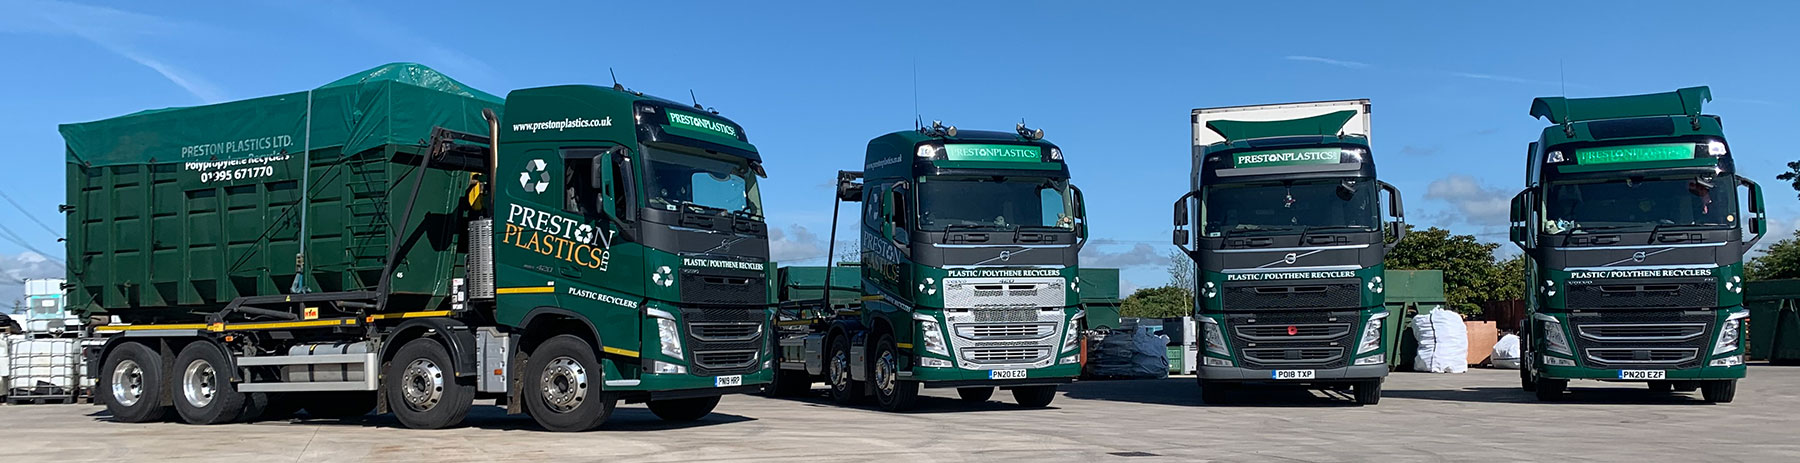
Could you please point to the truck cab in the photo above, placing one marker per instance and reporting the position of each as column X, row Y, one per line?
column 1287, row 237
column 638, row 220
column 969, row 243
column 1630, row 221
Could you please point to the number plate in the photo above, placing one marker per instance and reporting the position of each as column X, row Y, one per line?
column 728, row 381
column 1006, row 374
column 1643, row 374
column 1292, row 374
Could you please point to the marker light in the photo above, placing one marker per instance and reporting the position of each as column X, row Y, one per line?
column 1715, row 148
column 1056, row 154
column 927, row 151
column 1555, row 157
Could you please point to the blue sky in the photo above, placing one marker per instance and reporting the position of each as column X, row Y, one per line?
column 1111, row 82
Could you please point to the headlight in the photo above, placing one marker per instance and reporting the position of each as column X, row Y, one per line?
column 1729, row 333
column 1215, row 340
column 665, row 368
column 1070, row 340
column 933, row 336
column 671, row 337
column 1371, row 335
column 1554, row 338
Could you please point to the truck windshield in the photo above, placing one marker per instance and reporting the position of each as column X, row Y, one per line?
column 1290, row 206
column 674, row 179
column 1636, row 203
column 994, row 202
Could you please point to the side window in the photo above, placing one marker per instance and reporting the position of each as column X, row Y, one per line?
column 902, row 213
column 579, row 193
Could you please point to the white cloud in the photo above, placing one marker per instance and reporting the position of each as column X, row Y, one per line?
column 16, row 268
column 1333, row 62
column 1473, row 203
column 1136, row 255
column 796, row 243
column 114, row 30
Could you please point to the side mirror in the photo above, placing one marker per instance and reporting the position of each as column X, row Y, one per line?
column 1181, row 211
column 1759, row 218
column 1519, row 231
column 1397, row 210
column 626, row 190
column 1181, row 237
column 1081, row 231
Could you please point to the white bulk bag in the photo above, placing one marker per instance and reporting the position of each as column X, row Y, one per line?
column 1443, row 342
column 1506, row 352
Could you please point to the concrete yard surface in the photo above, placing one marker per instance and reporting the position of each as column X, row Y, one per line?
column 1478, row 416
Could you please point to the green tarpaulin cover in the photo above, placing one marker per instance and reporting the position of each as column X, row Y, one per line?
column 392, row 104
column 1323, row 125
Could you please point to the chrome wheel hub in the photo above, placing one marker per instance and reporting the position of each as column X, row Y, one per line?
column 885, row 372
column 840, row 370
column 422, row 384
column 127, row 383
column 198, row 383
column 564, row 383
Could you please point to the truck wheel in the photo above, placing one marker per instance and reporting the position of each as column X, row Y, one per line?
column 891, row 392
column 1526, row 382
column 422, row 389
column 790, row 383
column 1215, row 392
column 1719, row 391
column 204, row 393
column 1368, row 392
column 338, row 405
column 975, row 394
column 683, row 410
column 837, row 374
column 1662, row 387
column 1550, row 390
column 132, row 380
column 562, row 386
column 1034, row 396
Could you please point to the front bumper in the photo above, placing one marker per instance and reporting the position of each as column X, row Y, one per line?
column 1055, row 374
column 1329, row 375
column 1558, row 372
column 688, row 382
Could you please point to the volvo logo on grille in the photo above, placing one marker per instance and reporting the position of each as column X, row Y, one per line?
column 1293, row 330
column 1638, row 256
column 1005, row 256
column 1290, row 258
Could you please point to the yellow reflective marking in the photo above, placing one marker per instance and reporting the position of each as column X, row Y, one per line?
column 526, row 290
column 876, row 297
column 276, row 325
column 618, row 351
column 433, row 313
column 183, row 326
column 902, row 345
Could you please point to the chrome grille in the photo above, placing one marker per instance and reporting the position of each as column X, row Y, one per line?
column 1005, row 355
column 1004, row 292
column 1644, row 356
column 725, row 360
column 1276, row 356
column 1299, row 332
column 1005, row 331
column 1006, row 315
column 1643, row 332
column 728, row 331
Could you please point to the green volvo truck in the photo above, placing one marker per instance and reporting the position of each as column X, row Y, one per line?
column 968, row 274
column 1288, row 238
column 390, row 242
column 1630, row 218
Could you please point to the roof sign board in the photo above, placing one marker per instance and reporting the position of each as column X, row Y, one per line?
column 689, row 123
column 1286, row 157
column 1634, row 153
column 992, row 153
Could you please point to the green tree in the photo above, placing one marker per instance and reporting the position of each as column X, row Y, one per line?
column 1780, row 261
column 1161, row 302
column 1792, row 176
column 1470, row 274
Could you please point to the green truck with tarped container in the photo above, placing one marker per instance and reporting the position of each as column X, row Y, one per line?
column 967, row 278
column 390, row 242
column 1635, row 244
column 1288, row 238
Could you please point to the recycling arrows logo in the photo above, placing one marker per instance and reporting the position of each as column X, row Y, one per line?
column 541, row 182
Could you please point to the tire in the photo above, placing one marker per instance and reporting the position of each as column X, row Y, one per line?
column 1034, row 396
column 562, row 386
column 1550, row 390
column 131, row 384
column 1526, row 382
column 790, row 383
column 837, row 373
column 1368, row 392
column 891, row 392
column 975, row 394
column 422, row 388
column 337, row 405
column 1216, row 393
column 1719, row 391
column 1662, row 387
column 203, row 391
column 683, row 410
